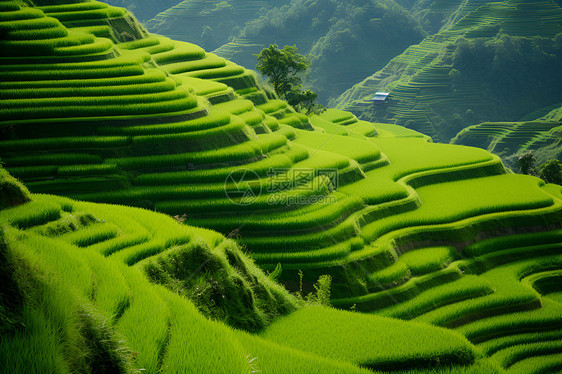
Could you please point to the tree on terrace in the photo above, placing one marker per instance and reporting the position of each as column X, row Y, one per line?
column 284, row 67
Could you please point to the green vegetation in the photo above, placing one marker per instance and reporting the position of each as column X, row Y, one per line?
column 284, row 68
column 443, row 261
column 343, row 41
column 537, row 132
column 101, row 302
column 492, row 61
column 427, row 260
column 384, row 344
column 550, row 172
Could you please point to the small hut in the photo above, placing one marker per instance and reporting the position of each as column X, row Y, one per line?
column 379, row 98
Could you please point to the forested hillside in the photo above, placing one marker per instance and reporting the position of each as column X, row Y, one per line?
column 344, row 40
column 209, row 23
column 144, row 10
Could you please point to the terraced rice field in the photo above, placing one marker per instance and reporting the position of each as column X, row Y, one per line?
column 512, row 138
column 419, row 80
column 105, row 254
column 435, row 233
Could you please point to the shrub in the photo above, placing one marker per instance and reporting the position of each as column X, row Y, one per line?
column 551, row 172
column 12, row 192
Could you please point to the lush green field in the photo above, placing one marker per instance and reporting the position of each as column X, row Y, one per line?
column 96, row 109
column 85, row 305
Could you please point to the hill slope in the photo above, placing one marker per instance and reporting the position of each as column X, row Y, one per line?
column 93, row 301
column 493, row 62
column 175, row 153
column 439, row 230
column 510, row 139
column 208, row 23
column 144, row 9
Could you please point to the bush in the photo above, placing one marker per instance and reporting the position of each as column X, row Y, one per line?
column 527, row 163
column 219, row 282
column 12, row 192
column 550, row 172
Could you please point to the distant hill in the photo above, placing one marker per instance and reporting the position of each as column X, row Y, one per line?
column 344, row 40
column 144, row 10
column 497, row 62
column 208, row 23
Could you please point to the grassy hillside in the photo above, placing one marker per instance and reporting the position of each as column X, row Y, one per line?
column 81, row 282
column 492, row 62
column 79, row 289
column 408, row 229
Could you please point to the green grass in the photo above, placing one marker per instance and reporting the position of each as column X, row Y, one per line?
column 92, row 235
column 82, row 170
column 121, row 293
column 538, row 364
column 214, row 119
column 359, row 150
column 213, row 138
column 261, row 168
column 427, row 260
column 499, row 344
column 467, row 287
column 30, row 172
column 55, row 159
column 487, row 246
column 208, row 61
column 381, row 345
column 508, row 295
column 89, row 91
column 149, row 76
column 244, row 151
column 32, row 214
column 322, row 215
column 480, row 196
column 67, row 142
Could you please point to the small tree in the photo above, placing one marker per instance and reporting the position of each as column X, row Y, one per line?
column 304, row 101
column 527, row 163
column 285, row 67
column 323, row 289
column 551, row 172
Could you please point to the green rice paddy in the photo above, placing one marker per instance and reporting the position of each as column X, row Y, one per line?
column 440, row 260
